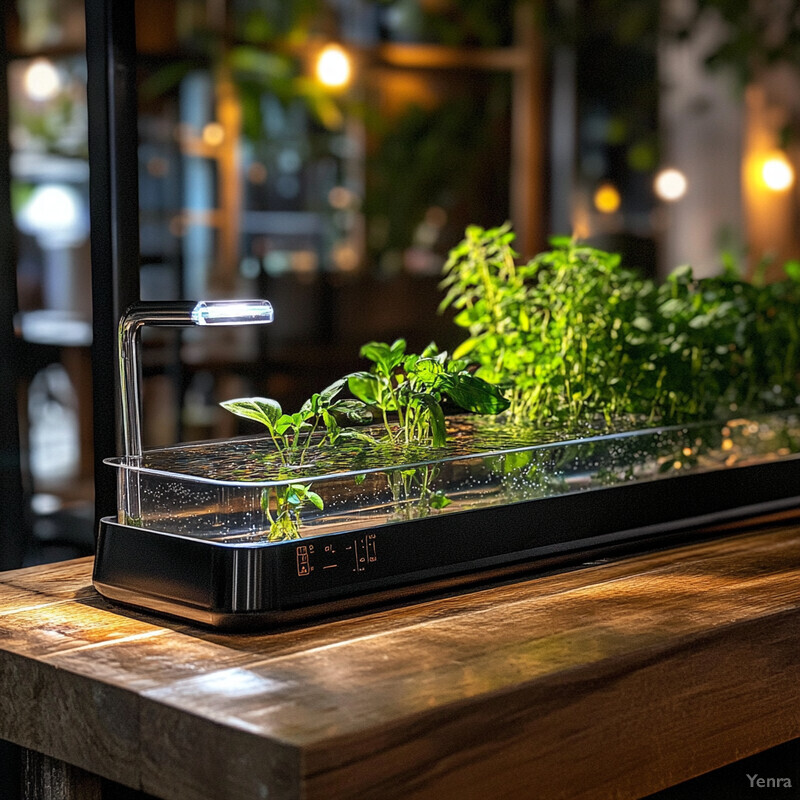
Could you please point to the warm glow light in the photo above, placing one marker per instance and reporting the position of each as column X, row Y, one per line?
column 607, row 199
column 333, row 68
column 670, row 185
column 340, row 197
column 581, row 221
column 777, row 173
column 345, row 257
column 213, row 134
column 41, row 80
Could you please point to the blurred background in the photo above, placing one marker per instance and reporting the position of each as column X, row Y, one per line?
column 326, row 155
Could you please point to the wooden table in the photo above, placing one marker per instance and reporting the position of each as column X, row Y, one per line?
column 614, row 680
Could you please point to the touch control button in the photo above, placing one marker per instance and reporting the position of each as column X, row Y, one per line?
column 303, row 564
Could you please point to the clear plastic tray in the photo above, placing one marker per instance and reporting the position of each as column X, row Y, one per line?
column 238, row 491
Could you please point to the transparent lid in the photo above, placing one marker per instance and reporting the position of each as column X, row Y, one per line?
column 254, row 461
column 243, row 491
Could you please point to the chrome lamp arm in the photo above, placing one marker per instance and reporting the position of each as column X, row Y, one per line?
column 169, row 314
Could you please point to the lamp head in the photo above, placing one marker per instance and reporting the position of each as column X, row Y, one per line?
column 232, row 312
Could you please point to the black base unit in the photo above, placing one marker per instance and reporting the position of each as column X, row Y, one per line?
column 260, row 585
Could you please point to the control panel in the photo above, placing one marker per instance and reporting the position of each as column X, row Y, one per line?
column 345, row 555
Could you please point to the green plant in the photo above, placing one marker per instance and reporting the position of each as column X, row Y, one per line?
column 292, row 435
column 549, row 331
column 725, row 343
column 414, row 386
column 571, row 335
column 406, row 386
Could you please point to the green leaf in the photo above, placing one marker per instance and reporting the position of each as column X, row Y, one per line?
column 431, row 351
column 259, row 63
column 283, row 423
column 474, row 394
column 456, row 366
column 681, row 274
column 295, row 493
column 440, row 500
column 311, row 406
column 672, row 307
column 298, row 419
column 465, row 347
column 365, row 386
column 410, row 362
column 792, row 269
column 356, row 435
column 375, row 351
column 319, row 102
column 398, row 350
column 261, row 409
column 353, row 411
column 427, row 370
column 329, row 392
column 700, row 321
column 472, row 315
column 385, row 356
column 315, row 499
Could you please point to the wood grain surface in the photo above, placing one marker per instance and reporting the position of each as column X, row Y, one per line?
column 611, row 681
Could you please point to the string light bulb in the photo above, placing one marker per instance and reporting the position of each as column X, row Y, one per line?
column 41, row 80
column 334, row 68
column 607, row 199
column 670, row 185
column 213, row 134
column 777, row 173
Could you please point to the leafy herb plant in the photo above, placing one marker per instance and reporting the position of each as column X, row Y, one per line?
column 405, row 391
column 412, row 388
column 573, row 336
column 292, row 435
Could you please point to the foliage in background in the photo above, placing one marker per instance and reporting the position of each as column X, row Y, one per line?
column 616, row 43
column 572, row 335
column 438, row 157
column 57, row 125
column 456, row 23
column 754, row 35
column 262, row 52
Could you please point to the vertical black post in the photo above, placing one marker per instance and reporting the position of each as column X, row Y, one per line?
column 13, row 534
column 114, row 207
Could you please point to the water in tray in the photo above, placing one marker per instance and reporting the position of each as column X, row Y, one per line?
column 240, row 491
